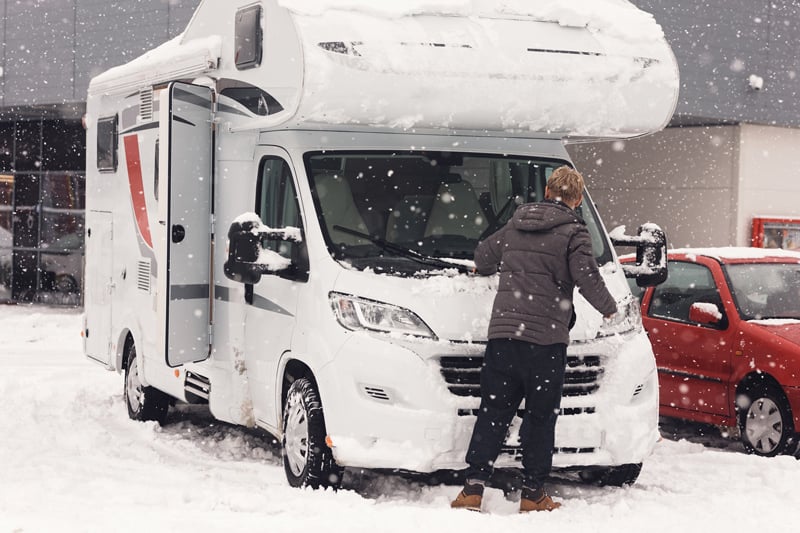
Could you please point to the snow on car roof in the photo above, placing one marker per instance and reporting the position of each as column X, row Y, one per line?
column 728, row 253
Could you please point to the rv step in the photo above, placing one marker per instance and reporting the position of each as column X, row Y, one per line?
column 197, row 387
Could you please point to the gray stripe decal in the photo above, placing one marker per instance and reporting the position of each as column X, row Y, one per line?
column 269, row 305
column 225, row 294
column 188, row 292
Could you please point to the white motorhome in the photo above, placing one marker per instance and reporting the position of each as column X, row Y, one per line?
column 283, row 204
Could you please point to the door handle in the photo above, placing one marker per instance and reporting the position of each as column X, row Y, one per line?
column 178, row 233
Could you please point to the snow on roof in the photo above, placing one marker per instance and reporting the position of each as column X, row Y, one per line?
column 737, row 252
column 618, row 17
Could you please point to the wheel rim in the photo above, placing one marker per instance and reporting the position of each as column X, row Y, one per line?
column 295, row 444
column 133, row 386
column 764, row 425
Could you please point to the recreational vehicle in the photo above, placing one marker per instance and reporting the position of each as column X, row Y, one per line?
column 283, row 204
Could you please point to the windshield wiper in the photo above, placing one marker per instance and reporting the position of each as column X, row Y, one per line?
column 405, row 252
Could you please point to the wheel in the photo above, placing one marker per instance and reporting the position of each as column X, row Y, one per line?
column 614, row 476
column 307, row 459
column 765, row 421
column 144, row 403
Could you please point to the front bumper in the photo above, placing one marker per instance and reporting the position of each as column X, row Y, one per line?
column 410, row 404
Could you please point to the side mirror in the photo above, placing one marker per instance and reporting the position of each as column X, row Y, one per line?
column 244, row 246
column 247, row 260
column 650, row 241
column 705, row 313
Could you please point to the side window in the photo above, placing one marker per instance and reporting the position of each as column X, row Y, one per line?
column 688, row 283
column 278, row 207
column 248, row 38
column 107, row 144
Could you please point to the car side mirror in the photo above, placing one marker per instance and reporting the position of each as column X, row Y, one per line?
column 650, row 241
column 247, row 260
column 244, row 246
column 705, row 313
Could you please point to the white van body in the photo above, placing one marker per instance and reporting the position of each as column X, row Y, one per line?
column 183, row 144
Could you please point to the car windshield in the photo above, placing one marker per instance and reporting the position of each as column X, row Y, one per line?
column 400, row 211
column 766, row 290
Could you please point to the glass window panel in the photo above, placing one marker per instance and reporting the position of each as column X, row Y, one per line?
column 248, row 37
column 63, row 145
column 688, row 283
column 6, row 146
column 6, row 190
column 62, row 231
column 26, row 190
column 27, row 147
column 63, row 190
column 107, row 144
column 26, row 228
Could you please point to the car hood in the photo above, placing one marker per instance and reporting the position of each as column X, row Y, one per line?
column 785, row 329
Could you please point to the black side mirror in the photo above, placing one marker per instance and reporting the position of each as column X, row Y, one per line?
column 650, row 241
column 243, row 247
column 244, row 250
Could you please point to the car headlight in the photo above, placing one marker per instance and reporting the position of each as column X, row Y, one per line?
column 360, row 314
column 627, row 318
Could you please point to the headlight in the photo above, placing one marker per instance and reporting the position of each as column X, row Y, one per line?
column 627, row 319
column 357, row 313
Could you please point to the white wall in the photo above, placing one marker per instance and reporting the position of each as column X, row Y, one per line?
column 769, row 175
column 684, row 179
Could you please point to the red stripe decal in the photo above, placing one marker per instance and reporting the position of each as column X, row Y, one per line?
column 134, row 162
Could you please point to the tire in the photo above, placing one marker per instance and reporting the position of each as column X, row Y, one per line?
column 144, row 403
column 765, row 421
column 613, row 476
column 307, row 459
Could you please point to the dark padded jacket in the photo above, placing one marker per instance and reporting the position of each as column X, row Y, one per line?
column 542, row 253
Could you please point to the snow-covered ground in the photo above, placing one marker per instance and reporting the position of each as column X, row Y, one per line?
column 71, row 460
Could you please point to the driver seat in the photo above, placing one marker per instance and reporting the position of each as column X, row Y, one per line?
column 339, row 208
column 456, row 210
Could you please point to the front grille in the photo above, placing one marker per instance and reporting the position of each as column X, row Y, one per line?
column 515, row 452
column 463, row 375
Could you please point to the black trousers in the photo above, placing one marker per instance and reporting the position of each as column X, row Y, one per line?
column 514, row 370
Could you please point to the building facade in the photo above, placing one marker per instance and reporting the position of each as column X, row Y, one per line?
column 726, row 157
column 51, row 49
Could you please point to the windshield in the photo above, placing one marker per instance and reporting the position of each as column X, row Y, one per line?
column 374, row 205
column 766, row 290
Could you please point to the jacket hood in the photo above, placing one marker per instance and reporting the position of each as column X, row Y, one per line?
column 542, row 216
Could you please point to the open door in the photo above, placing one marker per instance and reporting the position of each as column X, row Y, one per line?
column 187, row 158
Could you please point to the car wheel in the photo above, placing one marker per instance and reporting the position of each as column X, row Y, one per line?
column 144, row 403
column 307, row 459
column 765, row 421
column 614, row 476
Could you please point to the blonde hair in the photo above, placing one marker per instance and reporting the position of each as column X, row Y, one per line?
column 565, row 184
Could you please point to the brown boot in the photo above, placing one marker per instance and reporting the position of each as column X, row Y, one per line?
column 536, row 500
column 470, row 497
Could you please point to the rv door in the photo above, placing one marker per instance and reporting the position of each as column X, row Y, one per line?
column 186, row 156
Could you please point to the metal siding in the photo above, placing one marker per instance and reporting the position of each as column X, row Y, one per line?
column 719, row 44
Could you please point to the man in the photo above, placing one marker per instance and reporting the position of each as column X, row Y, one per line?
column 542, row 253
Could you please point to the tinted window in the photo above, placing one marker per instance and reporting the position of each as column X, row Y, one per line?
column 278, row 207
column 107, row 144
column 687, row 284
column 248, row 37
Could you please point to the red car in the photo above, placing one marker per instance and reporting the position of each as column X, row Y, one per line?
column 725, row 329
